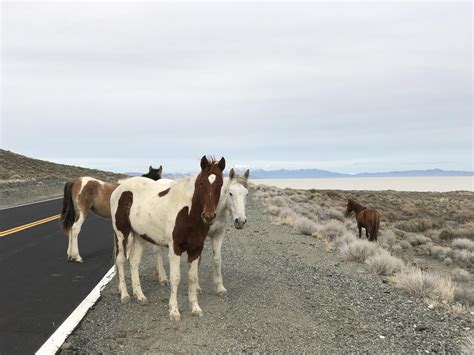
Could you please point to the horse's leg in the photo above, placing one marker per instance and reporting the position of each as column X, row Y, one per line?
column 198, row 287
column 360, row 231
column 136, row 252
column 174, row 283
column 192, row 292
column 217, row 261
column 120, row 260
column 367, row 234
column 73, row 248
column 160, row 269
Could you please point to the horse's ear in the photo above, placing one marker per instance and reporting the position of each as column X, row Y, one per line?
column 231, row 174
column 150, row 168
column 221, row 164
column 204, row 162
column 160, row 169
column 247, row 174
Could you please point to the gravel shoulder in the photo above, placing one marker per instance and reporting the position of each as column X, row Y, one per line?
column 286, row 293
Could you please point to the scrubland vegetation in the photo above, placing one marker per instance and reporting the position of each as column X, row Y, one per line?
column 426, row 241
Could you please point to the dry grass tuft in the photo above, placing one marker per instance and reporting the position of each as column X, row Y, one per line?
column 425, row 284
column 463, row 243
column 358, row 250
column 331, row 230
column 305, row 226
column 382, row 263
column 417, row 239
column 464, row 294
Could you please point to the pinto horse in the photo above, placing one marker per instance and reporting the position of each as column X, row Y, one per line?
column 85, row 194
column 178, row 217
column 367, row 218
column 231, row 204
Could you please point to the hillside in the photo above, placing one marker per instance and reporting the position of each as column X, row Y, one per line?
column 24, row 179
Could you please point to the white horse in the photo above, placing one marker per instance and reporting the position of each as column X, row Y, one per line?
column 178, row 217
column 232, row 201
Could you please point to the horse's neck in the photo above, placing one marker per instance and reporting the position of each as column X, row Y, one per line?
column 223, row 200
column 358, row 208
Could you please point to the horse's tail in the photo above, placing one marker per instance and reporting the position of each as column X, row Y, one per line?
column 375, row 227
column 68, row 213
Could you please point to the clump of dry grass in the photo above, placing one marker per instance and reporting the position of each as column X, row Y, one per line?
column 278, row 201
column 331, row 230
column 387, row 239
column 358, row 250
column 305, row 226
column 415, row 225
column 425, row 284
column 461, row 275
column 382, row 263
column 417, row 239
column 287, row 217
column 464, row 294
column 463, row 243
column 456, row 233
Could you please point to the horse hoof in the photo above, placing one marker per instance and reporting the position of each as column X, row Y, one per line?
column 175, row 316
column 74, row 259
column 143, row 301
column 197, row 313
column 222, row 293
column 125, row 299
column 164, row 283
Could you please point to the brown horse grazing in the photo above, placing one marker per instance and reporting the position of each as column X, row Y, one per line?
column 367, row 218
column 85, row 194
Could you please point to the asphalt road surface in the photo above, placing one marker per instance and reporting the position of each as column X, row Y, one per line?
column 39, row 288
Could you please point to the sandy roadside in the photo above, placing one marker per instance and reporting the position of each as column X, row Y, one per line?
column 285, row 293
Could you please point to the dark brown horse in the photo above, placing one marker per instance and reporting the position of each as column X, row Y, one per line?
column 367, row 218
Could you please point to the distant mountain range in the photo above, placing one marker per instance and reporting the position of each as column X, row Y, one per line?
column 321, row 174
column 317, row 173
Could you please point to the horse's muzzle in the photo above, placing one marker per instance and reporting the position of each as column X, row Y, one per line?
column 208, row 219
column 239, row 223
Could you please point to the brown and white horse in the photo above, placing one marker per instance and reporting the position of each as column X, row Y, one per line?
column 178, row 217
column 367, row 218
column 85, row 194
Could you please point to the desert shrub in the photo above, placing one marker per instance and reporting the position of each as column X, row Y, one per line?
column 331, row 230
column 415, row 225
column 405, row 244
column 463, row 257
column 335, row 214
column 387, row 239
column 382, row 263
column 274, row 210
column 461, row 275
column 453, row 233
column 463, row 243
column 358, row 250
column 448, row 261
column 287, row 217
column 305, row 226
column 278, row 201
column 425, row 284
column 417, row 239
column 439, row 252
column 464, row 294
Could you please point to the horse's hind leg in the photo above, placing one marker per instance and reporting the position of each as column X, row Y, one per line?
column 367, row 234
column 217, row 263
column 360, row 231
column 120, row 260
column 73, row 248
column 136, row 252
column 160, row 269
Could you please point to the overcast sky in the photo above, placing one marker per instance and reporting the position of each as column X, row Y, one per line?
column 345, row 87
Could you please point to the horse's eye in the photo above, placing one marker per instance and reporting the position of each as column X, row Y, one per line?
column 231, row 193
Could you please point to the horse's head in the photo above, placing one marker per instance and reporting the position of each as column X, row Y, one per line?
column 208, row 187
column 350, row 206
column 154, row 174
column 238, row 191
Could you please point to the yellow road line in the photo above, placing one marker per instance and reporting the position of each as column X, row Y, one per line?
column 29, row 225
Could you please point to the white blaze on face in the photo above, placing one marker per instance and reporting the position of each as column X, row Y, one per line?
column 212, row 178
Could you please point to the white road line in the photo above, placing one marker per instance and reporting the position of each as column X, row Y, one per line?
column 55, row 341
column 31, row 203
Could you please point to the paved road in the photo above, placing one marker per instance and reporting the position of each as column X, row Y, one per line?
column 39, row 288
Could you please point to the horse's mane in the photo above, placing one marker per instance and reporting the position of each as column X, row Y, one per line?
column 242, row 181
column 356, row 204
